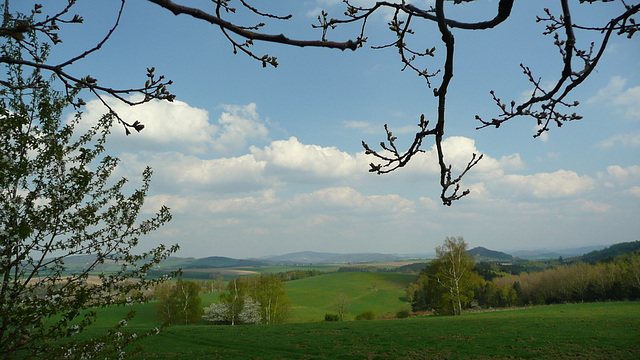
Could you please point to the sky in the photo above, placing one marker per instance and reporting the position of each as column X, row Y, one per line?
column 257, row 161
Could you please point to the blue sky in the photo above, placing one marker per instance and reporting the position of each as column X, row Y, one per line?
column 257, row 161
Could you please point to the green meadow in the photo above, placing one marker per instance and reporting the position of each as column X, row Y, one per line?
column 378, row 292
column 572, row 331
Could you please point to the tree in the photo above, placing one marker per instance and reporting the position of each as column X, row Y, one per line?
column 187, row 300
column 545, row 105
column 58, row 200
column 453, row 272
column 166, row 307
column 179, row 302
column 341, row 304
column 269, row 292
column 266, row 292
column 234, row 299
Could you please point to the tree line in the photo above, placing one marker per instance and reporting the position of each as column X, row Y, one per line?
column 617, row 279
column 258, row 299
column 454, row 282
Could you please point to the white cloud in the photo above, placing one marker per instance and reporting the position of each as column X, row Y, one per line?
column 338, row 200
column 616, row 94
column 180, row 127
column 296, row 161
column 246, row 206
column 559, row 184
column 596, row 207
column 627, row 140
column 634, row 191
column 616, row 175
column 458, row 151
column 239, row 123
column 174, row 125
column 189, row 173
column 362, row 126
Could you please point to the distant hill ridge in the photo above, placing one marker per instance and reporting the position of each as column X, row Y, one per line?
column 484, row 254
column 585, row 254
column 224, row 262
column 609, row 252
column 312, row 257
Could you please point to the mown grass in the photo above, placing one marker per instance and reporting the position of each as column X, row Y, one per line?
column 576, row 331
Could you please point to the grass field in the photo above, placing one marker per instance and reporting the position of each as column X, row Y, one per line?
column 575, row 331
column 378, row 292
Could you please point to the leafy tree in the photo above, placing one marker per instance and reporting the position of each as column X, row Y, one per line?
column 58, row 200
column 266, row 292
column 187, row 300
column 166, row 307
column 234, row 299
column 179, row 302
column 454, row 272
column 417, row 51
column 269, row 292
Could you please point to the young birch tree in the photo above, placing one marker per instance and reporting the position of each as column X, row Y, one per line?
column 454, row 270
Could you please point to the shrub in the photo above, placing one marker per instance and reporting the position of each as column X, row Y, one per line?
column 404, row 313
column 331, row 317
column 367, row 315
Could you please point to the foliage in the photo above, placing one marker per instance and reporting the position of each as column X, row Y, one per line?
column 217, row 313
column 615, row 280
column 452, row 273
column 179, row 302
column 250, row 313
column 402, row 314
column 220, row 313
column 58, row 200
column 610, row 252
column 367, row 315
column 297, row 274
column 269, row 292
column 264, row 292
column 331, row 317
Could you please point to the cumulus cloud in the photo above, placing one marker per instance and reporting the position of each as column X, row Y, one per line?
column 458, row 152
column 239, row 123
column 300, row 162
column 180, row 172
column 616, row 175
column 559, row 184
column 180, row 127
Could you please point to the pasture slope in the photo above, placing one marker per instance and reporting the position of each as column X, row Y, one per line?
column 571, row 331
column 381, row 293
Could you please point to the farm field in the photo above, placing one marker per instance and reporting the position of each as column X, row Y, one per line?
column 575, row 331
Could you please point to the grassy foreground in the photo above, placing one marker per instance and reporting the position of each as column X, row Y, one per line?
column 576, row 331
